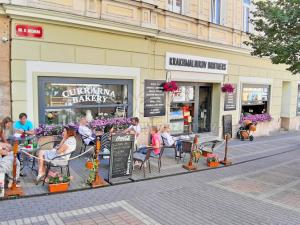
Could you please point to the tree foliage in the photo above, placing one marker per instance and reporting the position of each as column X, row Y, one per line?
column 277, row 32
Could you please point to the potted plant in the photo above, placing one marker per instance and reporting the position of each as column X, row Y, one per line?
column 227, row 88
column 212, row 160
column 170, row 86
column 58, row 182
column 93, row 167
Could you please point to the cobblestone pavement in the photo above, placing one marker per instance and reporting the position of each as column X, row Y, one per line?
column 262, row 191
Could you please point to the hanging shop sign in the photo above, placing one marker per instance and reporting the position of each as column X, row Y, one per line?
column 195, row 63
column 88, row 94
column 230, row 100
column 154, row 98
column 24, row 30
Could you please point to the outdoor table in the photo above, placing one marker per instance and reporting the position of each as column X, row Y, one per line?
column 12, row 138
column 31, row 151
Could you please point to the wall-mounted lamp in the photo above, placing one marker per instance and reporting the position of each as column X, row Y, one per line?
column 4, row 39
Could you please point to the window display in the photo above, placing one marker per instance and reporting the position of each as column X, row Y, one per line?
column 182, row 110
column 255, row 99
column 65, row 101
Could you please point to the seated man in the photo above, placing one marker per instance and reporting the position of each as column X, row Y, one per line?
column 86, row 132
column 23, row 126
column 6, row 163
column 134, row 128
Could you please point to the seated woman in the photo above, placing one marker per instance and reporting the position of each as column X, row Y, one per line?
column 6, row 163
column 170, row 140
column 67, row 145
column 6, row 131
column 155, row 143
column 106, row 138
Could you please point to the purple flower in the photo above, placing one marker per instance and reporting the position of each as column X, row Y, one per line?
column 256, row 118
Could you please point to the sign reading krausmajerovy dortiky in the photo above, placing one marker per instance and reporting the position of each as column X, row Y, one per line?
column 193, row 63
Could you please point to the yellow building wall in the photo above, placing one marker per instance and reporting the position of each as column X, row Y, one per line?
column 62, row 43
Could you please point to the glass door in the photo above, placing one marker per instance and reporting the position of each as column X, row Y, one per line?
column 204, row 114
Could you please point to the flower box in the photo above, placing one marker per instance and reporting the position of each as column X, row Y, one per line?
column 61, row 187
column 213, row 164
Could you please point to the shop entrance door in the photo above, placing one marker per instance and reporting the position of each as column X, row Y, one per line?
column 204, row 113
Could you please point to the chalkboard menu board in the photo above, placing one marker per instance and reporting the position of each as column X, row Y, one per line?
column 230, row 100
column 121, row 151
column 227, row 125
column 298, row 101
column 154, row 98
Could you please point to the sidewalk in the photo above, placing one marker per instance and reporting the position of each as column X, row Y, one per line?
column 264, row 191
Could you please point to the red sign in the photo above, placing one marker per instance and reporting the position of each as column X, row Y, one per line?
column 29, row 31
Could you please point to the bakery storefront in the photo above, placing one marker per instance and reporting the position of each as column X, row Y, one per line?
column 191, row 107
column 64, row 100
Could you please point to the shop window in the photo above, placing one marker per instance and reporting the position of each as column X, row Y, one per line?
column 246, row 15
column 255, row 99
column 64, row 100
column 182, row 110
column 175, row 6
column 216, row 11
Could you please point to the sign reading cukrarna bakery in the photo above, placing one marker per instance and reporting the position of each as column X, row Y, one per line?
column 89, row 94
column 195, row 63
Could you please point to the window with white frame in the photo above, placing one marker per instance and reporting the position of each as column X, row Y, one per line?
column 175, row 6
column 216, row 11
column 246, row 15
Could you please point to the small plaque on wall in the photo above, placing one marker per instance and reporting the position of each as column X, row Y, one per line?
column 230, row 100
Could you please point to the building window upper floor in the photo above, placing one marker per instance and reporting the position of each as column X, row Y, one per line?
column 176, row 6
column 216, row 11
column 246, row 16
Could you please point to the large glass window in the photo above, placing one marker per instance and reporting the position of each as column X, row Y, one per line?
column 64, row 100
column 255, row 99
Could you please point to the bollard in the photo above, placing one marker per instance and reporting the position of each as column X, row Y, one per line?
column 226, row 162
column 14, row 190
column 190, row 165
column 98, row 181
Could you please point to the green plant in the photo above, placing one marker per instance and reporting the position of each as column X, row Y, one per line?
column 212, row 158
column 56, row 178
column 92, row 173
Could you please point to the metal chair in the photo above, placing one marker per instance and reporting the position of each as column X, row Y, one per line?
column 84, row 145
column 60, row 162
column 164, row 146
column 143, row 158
column 158, row 157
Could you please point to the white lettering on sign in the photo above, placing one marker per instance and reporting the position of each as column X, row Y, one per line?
column 123, row 138
column 89, row 94
column 195, row 63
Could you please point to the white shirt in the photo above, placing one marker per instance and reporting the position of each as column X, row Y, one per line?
column 87, row 133
column 137, row 129
column 167, row 139
column 71, row 143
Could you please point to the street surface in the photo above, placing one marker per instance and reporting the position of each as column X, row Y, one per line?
column 261, row 191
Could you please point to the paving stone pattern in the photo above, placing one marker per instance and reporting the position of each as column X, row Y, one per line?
column 233, row 195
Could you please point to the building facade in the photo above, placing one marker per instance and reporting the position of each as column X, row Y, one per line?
column 105, row 58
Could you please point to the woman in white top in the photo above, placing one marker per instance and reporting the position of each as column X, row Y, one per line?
column 67, row 145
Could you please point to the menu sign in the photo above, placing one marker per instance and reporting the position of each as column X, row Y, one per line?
column 227, row 125
column 154, row 98
column 298, row 101
column 121, row 156
column 230, row 100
